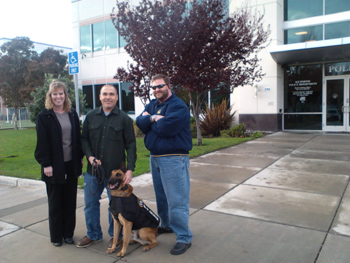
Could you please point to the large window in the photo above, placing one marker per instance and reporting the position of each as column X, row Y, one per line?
column 299, row 9
column 303, row 97
column 303, row 34
column 89, row 100
column 100, row 36
column 337, row 30
column 315, row 29
column 336, row 6
column 85, row 39
column 125, row 100
column 111, row 35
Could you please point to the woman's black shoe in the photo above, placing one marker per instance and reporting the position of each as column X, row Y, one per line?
column 69, row 240
column 57, row 244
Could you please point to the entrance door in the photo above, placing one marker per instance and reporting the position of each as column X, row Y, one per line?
column 336, row 115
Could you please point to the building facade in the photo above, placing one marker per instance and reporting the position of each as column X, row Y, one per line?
column 307, row 64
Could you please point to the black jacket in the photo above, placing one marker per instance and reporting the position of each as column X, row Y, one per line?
column 110, row 139
column 49, row 150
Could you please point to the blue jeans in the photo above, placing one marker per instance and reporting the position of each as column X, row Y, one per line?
column 171, row 181
column 92, row 196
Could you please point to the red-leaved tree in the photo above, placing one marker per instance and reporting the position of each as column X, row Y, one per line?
column 196, row 43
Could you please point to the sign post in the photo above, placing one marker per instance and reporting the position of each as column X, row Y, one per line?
column 74, row 70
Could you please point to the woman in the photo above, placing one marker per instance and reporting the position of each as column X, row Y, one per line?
column 59, row 153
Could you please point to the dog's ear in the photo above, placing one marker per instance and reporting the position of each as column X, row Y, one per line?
column 123, row 167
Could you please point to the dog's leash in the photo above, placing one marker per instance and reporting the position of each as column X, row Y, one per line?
column 98, row 173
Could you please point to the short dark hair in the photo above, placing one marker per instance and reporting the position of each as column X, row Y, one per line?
column 110, row 85
column 161, row 76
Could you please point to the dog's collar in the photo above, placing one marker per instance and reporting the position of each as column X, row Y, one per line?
column 123, row 194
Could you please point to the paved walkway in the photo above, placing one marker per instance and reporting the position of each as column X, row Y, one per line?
column 283, row 198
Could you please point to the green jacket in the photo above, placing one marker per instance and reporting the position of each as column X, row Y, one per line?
column 110, row 139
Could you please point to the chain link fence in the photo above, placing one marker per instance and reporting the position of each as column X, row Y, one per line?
column 7, row 118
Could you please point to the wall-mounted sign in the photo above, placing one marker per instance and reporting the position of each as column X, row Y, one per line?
column 335, row 69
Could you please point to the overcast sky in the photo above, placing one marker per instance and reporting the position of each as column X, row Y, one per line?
column 45, row 21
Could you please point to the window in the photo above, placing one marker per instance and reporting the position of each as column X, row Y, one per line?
column 111, row 35
column 85, row 39
column 336, row 6
column 303, row 34
column 122, row 42
column 298, row 9
column 317, row 29
column 127, row 98
column 217, row 97
column 303, row 97
column 337, row 30
column 98, row 36
column 87, row 91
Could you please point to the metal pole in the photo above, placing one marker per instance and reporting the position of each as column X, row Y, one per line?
column 77, row 105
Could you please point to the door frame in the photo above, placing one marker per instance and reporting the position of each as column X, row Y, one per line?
column 346, row 119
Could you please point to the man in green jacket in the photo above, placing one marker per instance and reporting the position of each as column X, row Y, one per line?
column 108, row 140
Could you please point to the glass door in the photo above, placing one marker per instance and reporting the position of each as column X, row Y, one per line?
column 336, row 102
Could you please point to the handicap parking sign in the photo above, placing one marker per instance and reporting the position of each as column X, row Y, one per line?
column 73, row 62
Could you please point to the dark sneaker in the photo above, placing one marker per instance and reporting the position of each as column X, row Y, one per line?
column 86, row 241
column 180, row 248
column 162, row 230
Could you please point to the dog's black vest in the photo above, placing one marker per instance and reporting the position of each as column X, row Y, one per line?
column 133, row 210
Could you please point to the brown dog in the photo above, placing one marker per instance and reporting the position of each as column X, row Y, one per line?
column 131, row 213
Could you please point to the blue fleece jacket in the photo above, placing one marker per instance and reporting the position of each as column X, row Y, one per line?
column 170, row 135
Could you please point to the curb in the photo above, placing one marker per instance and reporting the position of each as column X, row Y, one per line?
column 17, row 182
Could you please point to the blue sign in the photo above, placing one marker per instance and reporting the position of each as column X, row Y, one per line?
column 73, row 63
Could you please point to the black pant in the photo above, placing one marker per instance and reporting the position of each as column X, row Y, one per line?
column 62, row 205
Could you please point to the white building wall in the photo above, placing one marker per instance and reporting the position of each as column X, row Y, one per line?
column 103, row 65
column 265, row 97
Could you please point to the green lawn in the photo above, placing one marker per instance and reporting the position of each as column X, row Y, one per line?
column 17, row 152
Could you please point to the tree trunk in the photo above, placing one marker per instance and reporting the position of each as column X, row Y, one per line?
column 15, row 123
column 195, row 112
column 199, row 132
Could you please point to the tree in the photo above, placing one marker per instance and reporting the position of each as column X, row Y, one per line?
column 14, row 57
column 195, row 43
column 22, row 70
column 39, row 96
column 50, row 61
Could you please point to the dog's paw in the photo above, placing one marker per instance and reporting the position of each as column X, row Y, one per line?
column 110, row 250
column 146, row 248
column 121, row 254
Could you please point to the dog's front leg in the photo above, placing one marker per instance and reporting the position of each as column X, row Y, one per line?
column 116, row 231
column 127, row 226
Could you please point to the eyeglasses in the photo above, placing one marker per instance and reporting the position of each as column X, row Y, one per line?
column 160, row 86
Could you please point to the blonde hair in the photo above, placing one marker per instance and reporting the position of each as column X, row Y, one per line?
column 55, row 85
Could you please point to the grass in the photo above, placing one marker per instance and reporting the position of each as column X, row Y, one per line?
column 17, row 153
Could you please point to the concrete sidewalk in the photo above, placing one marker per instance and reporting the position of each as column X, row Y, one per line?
column 278, row 199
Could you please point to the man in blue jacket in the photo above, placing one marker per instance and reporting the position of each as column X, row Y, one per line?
column 166, row 125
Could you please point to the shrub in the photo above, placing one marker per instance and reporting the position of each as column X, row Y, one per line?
column 225, row 134
column 256, row 134
column 238, row 130
column 217, row 119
